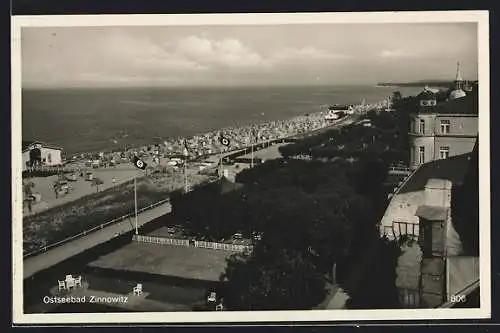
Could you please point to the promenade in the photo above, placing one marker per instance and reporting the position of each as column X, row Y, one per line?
column 47, row 259
column 56, row 255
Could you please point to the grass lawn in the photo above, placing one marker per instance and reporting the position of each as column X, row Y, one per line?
column 177, row 261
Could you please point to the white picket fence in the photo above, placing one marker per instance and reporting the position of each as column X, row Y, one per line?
column 54, row 168
column 161, row 240
column 185, row 242
column 223, row 247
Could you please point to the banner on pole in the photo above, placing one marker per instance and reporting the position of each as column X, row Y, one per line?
column 139, row 163
column 186, row 149
column 224, row 141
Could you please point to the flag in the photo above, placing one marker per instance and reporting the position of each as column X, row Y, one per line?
column 139, row 163
column 256, row 135
column 186, row 149
column 224, row 141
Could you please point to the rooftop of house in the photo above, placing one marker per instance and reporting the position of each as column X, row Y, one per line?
column 467, row 105
column 452, row 169
column 26, row 144
column 431, row 213
column 226, row 186
column 427, row 94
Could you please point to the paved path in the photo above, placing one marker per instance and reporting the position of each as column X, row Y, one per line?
column 47, row 259
column 43, row 185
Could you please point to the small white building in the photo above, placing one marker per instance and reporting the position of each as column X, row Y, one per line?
column 36, row 153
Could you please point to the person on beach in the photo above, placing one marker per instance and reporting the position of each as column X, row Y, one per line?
column 240, row 136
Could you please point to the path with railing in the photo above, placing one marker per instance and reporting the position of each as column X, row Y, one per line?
column 52, row 254
column 58, row 252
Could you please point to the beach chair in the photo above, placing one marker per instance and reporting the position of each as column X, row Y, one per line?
column 138, row 289
column 70, row 281
column 70, row 284
column 62, row 285
column 78, row 281
column 212, row 298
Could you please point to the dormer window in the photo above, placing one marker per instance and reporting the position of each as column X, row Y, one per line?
column 428, row 102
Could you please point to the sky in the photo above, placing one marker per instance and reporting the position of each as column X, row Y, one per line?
column 325, row 54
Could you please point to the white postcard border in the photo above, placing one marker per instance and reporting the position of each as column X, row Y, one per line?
column 480, row 17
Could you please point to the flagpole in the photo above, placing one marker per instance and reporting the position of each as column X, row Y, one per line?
column 185, row 176
column 135, row 203
column 251, row 164
column 220, row 163
column 186, row 157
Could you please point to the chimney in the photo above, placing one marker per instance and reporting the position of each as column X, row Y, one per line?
column 438, row 193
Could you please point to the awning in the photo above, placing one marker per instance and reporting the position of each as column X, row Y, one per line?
column 432, row 213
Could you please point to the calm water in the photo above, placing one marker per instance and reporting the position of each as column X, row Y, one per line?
column 87, row 119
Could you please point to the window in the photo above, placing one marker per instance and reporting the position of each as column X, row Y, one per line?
column 444, row 152
column 421, row 126
column 445, row 126
column 49, row 158
column 412, row 125
column 421, row 155
column 430, row 102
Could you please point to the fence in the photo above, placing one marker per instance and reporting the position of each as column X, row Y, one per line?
column 223, row 247
column 99, row 227
column 55, row 168
column 399, row 170
column 161, row 240
column 185, row 242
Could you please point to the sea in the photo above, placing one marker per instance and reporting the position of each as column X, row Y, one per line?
column 89, row 119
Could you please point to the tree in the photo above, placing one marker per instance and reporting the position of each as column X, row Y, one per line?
column 28, row 188
column 377, row 289
column 396, row 96
column 57, row 188
column 272, row 280
column 28, row 193
column 96, row 182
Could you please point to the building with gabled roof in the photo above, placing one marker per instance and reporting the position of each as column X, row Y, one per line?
column 434, row 216
column 36, row 153
column 445, row 129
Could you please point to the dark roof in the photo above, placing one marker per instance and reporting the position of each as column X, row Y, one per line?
column 452, row 169
column 427, row 94
column 466, row 105
column 25, row 145
column 431, row 213
column 339, row 107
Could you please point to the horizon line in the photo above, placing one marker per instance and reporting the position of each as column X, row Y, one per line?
column 244, row 85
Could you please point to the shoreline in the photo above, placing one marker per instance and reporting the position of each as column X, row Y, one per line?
column 233, row 133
